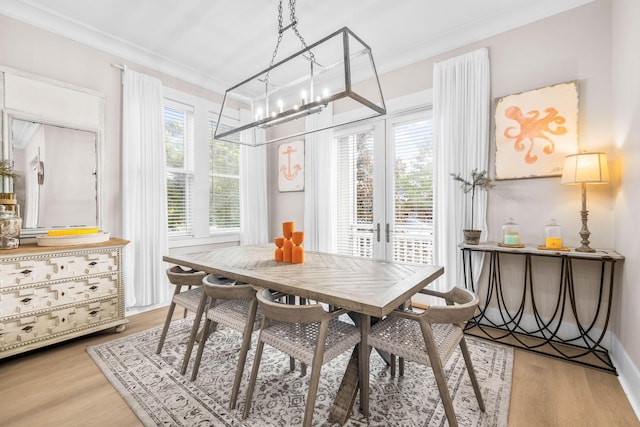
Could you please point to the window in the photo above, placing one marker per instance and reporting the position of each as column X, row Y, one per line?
column 203, row 175
column 355, row 194
column 224, row 183
column 385, row 189
column 178, row 136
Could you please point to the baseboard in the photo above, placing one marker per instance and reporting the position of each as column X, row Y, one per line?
column 628, row 373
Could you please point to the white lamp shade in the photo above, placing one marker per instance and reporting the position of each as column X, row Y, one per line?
column 587, row 168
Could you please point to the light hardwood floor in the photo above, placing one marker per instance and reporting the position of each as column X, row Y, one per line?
column 61, row 386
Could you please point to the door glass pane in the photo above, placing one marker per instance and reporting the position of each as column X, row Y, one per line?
column 413, row 191
column 355, row 194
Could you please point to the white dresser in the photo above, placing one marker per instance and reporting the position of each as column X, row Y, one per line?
column 52, row 294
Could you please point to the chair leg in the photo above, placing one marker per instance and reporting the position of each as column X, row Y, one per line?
column 242, row 357
column 314, row 380
column 392, row 364
column 472, row 373
column 401, row 366
column 202, row 307
column 252, row 381
column 185, row 310
column 438, row 373
column 167, row 322
column 201, row 344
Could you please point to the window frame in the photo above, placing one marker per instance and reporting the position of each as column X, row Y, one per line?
column 211, row 125
column 201, row 234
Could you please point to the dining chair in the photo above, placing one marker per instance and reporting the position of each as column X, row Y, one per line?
column 429, row 337
column 307, row 333
column 180, row 277
column 229, row 303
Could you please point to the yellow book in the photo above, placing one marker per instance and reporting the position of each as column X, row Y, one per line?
column 73, row 231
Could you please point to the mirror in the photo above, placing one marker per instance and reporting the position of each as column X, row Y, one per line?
column 51, row 133
column 58, row 174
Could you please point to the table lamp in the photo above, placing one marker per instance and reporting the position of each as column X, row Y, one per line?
column 585, row 168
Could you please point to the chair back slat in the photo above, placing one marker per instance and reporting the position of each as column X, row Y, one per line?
column 289, row 313
column 178, row 276
column 466, row 303
column 217, row 289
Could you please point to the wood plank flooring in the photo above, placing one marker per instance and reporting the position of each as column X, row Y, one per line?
column 61, row 386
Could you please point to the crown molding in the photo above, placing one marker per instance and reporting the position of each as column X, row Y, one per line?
column 454, row 38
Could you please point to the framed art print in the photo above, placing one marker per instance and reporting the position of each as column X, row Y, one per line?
column 535, row 130
column 291, row 166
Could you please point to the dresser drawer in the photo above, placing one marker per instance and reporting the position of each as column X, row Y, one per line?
column 24, row 300
column 35, row 270
column 23, row 330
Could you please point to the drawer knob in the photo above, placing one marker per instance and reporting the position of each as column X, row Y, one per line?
column 93, row 264
column 27, row 328
column 93, row 288
column 93, row 313
column 25, row 301
column 26, row 273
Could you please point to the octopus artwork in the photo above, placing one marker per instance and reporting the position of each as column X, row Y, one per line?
column 535, row 131
column 532, row 128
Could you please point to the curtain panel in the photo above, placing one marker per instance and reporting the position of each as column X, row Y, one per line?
column 254, row 212
column 144, row 202
column 320, row 187
column 461, row 119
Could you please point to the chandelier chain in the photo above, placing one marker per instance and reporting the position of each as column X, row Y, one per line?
column 282, row 29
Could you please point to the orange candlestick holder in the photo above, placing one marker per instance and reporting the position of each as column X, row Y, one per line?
column 297, row 251
column 287, row 231
column 279, row 252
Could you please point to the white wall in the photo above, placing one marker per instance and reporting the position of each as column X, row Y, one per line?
column 30, row 49
column 626, row 136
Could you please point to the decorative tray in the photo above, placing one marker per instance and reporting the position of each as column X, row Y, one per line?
column 75, row 239
column 563, row 249
column 504, row 245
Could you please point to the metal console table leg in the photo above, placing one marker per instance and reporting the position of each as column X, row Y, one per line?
column 508, row 324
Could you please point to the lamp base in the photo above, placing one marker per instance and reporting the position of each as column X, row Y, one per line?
column 584, row 248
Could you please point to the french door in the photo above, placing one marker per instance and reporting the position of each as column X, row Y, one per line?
column 385, row 196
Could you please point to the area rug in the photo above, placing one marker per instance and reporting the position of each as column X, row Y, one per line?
column 152, row 386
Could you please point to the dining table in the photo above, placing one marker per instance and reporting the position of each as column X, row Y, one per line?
column 370, row 288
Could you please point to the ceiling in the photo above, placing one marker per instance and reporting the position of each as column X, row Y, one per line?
column 217, row 43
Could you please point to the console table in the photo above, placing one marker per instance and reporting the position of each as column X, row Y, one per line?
column 523, row 325
column 55, row 293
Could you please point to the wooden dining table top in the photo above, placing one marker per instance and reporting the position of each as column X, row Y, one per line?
column 363, row 285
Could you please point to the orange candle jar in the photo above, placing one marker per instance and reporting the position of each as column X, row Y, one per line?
column 553, row 235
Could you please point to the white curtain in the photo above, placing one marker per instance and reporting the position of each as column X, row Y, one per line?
column 320, row 184
column 144, row 200
column 461, row 117
column 254, row 213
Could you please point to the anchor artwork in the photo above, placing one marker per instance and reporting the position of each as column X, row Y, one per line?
column 535, row 130
column 291, row 166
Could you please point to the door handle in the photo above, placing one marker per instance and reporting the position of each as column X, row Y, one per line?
column 387, row 231
column 378, row 232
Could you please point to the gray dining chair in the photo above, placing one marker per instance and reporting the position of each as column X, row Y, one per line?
column 305, row 332
column 430, row 337
column 229, row 303
column 189, row 298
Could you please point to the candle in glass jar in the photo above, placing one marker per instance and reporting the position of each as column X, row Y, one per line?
column 511, row 239
column 553, row 235
column 510, row 234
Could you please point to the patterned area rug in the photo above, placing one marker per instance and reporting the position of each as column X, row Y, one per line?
column 153, row 387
